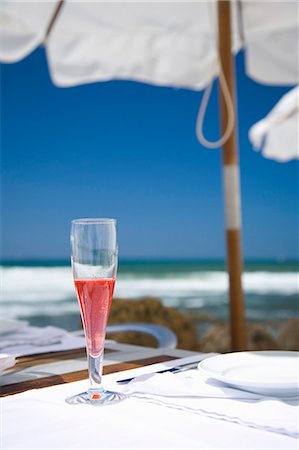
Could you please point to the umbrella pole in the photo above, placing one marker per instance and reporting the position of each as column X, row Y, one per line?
column 231, row 181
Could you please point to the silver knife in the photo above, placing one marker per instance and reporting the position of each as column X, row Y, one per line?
column 176, row 369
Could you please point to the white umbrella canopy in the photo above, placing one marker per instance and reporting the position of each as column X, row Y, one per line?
column 168, row 43
column 178, row 44
column 277, row 134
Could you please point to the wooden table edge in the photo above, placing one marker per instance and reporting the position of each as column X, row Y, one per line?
column 70, row 377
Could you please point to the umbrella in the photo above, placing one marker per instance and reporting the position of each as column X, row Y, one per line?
column 277, row 134
column 180, row 44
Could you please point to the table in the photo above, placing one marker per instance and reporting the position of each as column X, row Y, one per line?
column 35, row 415
column 49, row 369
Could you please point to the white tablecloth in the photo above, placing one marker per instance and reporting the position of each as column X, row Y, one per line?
column 40, row 419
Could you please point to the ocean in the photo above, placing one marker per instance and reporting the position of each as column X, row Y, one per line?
column 43, row 292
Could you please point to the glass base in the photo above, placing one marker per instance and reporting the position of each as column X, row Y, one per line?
column 96, row 398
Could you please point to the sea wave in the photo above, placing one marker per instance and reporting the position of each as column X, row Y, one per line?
column 48, row 292
column 31, row 284
column 52, row 284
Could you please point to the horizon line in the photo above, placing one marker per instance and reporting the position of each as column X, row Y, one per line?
column 154, row 260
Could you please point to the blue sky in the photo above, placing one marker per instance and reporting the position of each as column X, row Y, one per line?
column 128, row 150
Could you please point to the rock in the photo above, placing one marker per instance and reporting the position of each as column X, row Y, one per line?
column 151, row 310
column 288, row 335
column 217, row 339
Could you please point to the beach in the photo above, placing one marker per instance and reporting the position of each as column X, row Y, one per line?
column 42, row 292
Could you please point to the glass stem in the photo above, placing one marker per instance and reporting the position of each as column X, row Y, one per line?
column 95, row 368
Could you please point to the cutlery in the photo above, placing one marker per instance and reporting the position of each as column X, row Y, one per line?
column 176, row 369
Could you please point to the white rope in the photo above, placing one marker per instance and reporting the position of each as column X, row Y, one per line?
column 203, row 109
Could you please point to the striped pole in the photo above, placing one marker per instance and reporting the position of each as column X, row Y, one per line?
column 231, row 180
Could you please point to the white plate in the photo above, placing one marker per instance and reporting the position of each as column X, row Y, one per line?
column 264, row 372
column 10, row 325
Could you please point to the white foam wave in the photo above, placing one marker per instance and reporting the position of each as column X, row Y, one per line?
column 31, row 291
column 32, row 284
column 271, row 282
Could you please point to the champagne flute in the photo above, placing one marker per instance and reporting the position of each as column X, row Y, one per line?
column 94, row 263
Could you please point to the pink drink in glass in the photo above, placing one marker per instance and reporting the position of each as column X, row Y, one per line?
column 95, row 296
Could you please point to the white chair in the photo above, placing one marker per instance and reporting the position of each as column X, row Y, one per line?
column 164, row 336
